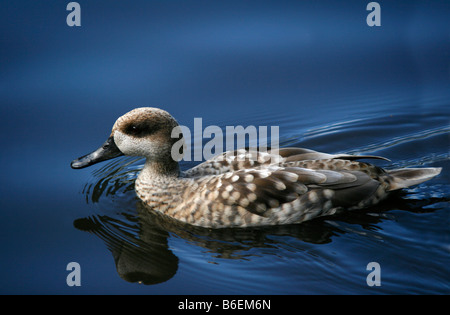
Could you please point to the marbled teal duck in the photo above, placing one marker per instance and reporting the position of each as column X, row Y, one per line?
column 246, row 187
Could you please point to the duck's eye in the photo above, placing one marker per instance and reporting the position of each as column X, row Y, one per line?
column 140, row 129
column 133, row 130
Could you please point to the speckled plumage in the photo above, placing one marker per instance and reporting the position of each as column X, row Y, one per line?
column 250, row 188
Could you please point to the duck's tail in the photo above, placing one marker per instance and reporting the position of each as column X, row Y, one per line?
column 405, row 177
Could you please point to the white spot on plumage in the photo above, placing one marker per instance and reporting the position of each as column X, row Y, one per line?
column 313, row 196
column 252, row 197
column 255, row 219
column 280, row 186
column 300, row 188
column 328, row 193
column 214, row 194
column 227, row 212
column 264, row 173
column 249, row 178
column 244, row 202
column 292, row 177
column 332, row 211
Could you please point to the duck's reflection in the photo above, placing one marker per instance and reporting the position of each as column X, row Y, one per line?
column 138, row 237
column 140, row 250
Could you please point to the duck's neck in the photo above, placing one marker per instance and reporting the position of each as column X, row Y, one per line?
column 159, row 170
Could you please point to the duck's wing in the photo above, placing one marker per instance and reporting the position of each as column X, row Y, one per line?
column 260, row 191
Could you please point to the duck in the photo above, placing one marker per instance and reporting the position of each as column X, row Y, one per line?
column 246, row 187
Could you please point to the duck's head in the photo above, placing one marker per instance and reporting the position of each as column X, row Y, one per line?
column 145, row 132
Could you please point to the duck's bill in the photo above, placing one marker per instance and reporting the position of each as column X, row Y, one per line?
column 107, row 151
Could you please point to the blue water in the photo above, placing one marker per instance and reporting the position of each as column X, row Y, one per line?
column 314, row 68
